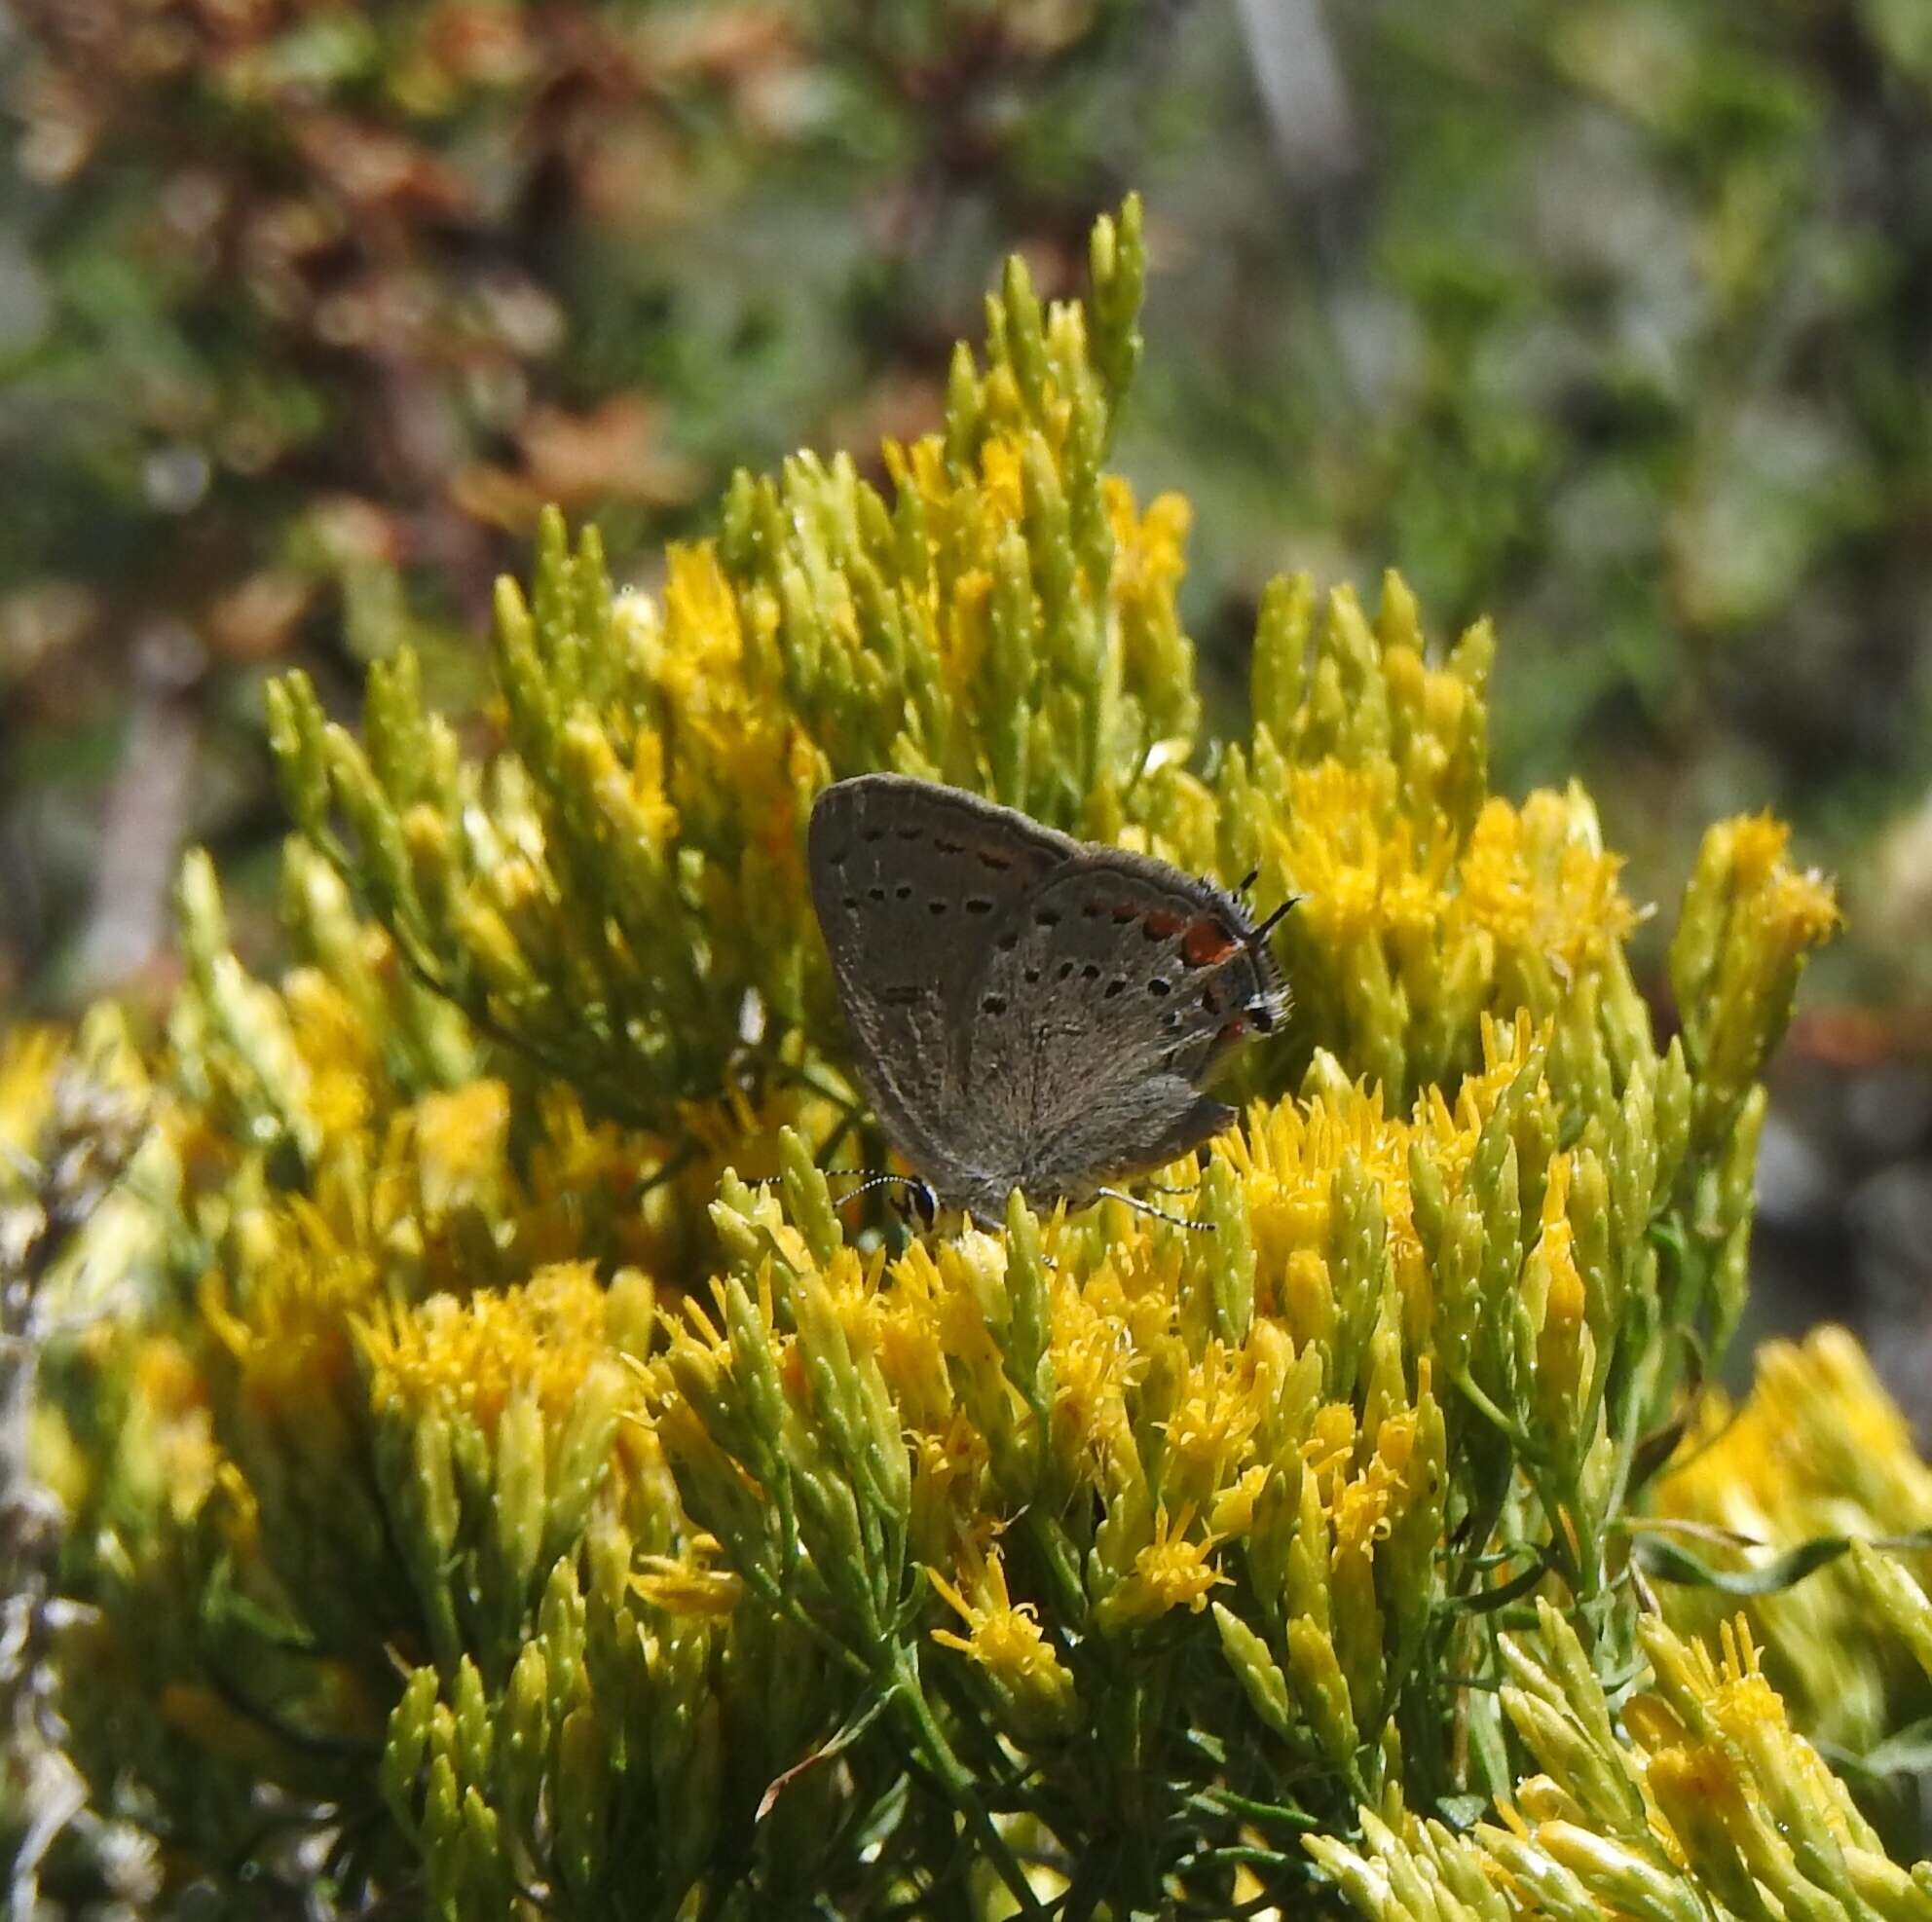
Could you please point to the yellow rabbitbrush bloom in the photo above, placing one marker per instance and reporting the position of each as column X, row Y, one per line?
column 1707, row 1800
column 1556, row 1301
column 1817, row 1449
column 1288, row 1160
column 1749, row 920
column 543, row 1339
column 289, row 1339
column 1005, row 1643
column 1171, row 1572
column 731, row 750
column 1529, row 892
column 1299, row 1163
column 1740, row 1787
column 1426, row 904
column 459, row 1144
column 498, row 1422
column 174, row 1451
column 1537, row 883
column 492, row 1361
column 1210, row 1432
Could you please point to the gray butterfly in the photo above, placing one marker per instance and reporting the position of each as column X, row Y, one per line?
column 1028, row 1011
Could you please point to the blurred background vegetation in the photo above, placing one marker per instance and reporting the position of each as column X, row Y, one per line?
column 1612, row 320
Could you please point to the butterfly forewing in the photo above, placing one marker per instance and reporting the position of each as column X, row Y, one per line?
column 909, row 879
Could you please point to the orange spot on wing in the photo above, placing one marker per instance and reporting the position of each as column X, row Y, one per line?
column 1207, row 942
column 1160, row 924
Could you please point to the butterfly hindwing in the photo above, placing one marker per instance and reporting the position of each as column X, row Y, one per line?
column 1105, row 997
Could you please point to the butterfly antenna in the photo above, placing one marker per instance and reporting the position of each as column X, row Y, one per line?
column 1160, row 1214
column 868, row 1180
column 926, row 1202
column 1268, row 926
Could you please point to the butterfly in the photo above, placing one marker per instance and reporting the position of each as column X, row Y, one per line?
column 1028, row 1011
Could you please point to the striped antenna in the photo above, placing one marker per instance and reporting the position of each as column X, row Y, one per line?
column 926, row 1202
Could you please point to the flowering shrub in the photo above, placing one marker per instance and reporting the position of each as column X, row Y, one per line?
column 510, row 1483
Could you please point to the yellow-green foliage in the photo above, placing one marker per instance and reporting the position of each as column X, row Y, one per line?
column 1693, row 1796
column 511, row 1464
column 1817, row 1451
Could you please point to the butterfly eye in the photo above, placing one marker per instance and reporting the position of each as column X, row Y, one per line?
column 924, row 1204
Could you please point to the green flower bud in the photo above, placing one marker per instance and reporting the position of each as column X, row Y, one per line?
column 1263, row 1682
column 407, row 1745
column 1323, row 1693
column 518, row 1512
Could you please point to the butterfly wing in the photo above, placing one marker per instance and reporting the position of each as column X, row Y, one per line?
column 910, row 878
column 1109, row 994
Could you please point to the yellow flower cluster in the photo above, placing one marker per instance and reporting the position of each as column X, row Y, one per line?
column 1711, row 1803
column 545, row 1343
column 1033, row 1687
column 1145, row 1422
column 1425, row 903
column 1749, row 920
column 1817, row 1450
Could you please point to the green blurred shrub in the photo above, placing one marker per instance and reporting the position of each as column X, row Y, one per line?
column 307, row 309
column 1609, row 322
